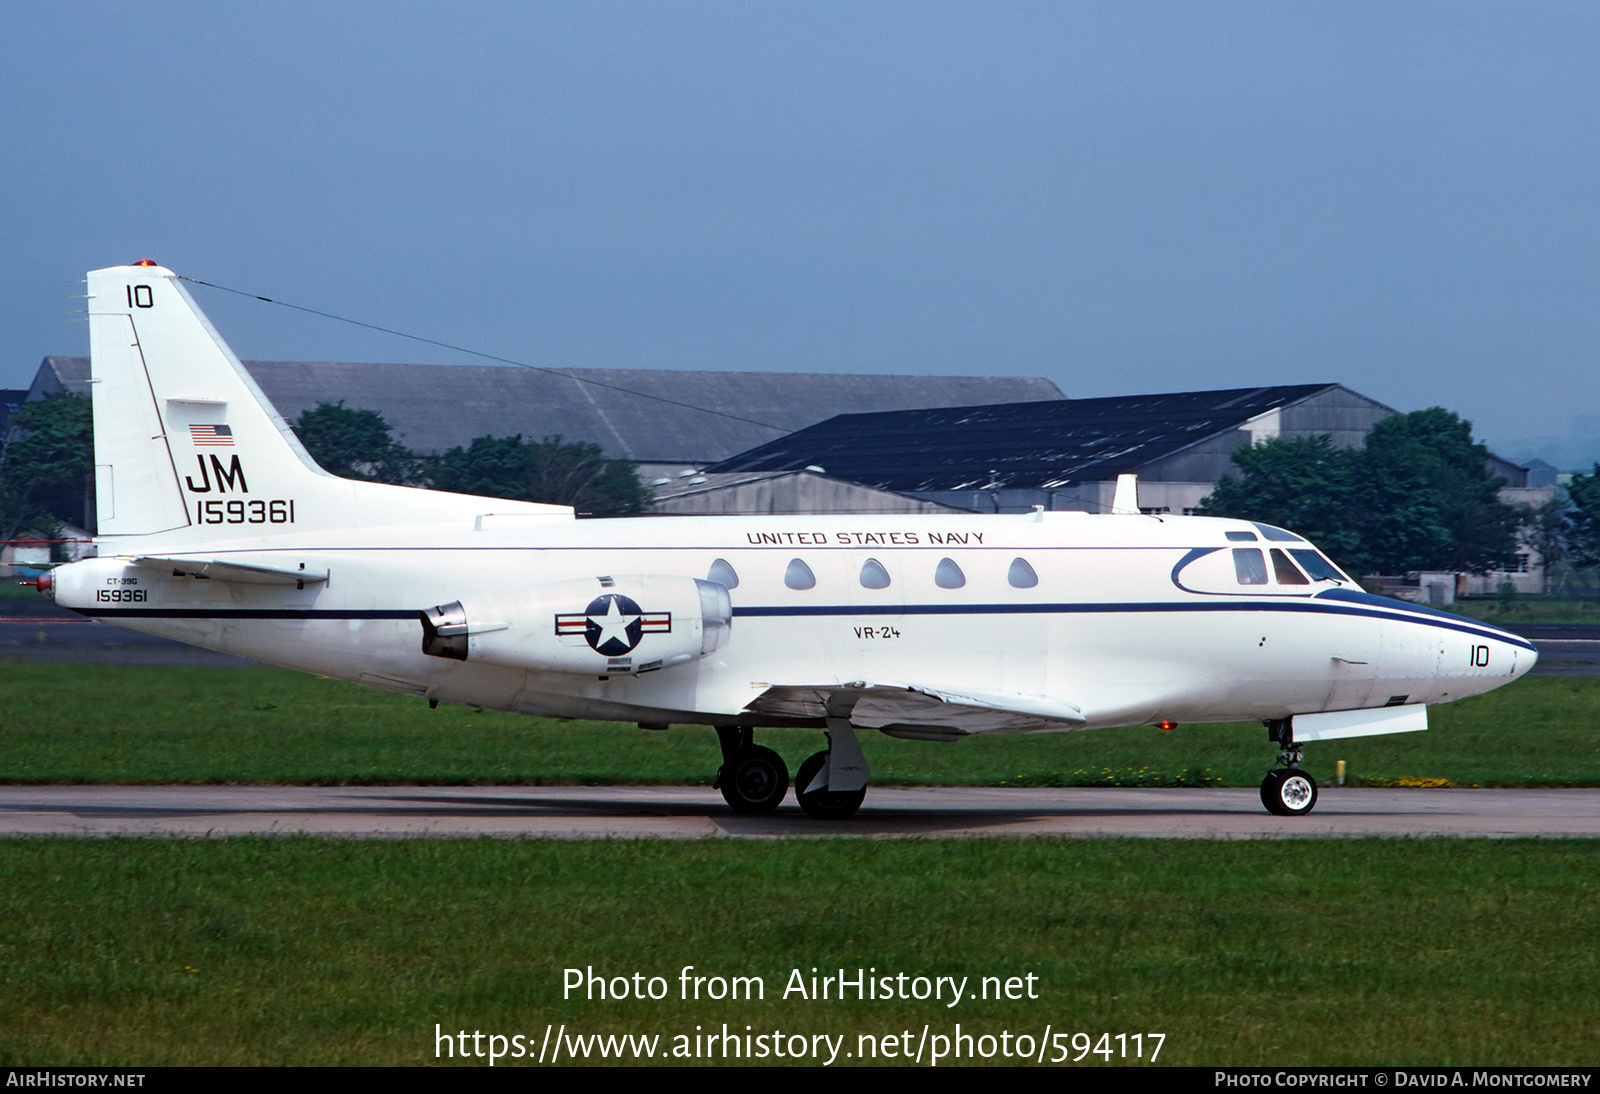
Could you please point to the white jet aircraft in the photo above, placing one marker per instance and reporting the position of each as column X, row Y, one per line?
column 216, row 528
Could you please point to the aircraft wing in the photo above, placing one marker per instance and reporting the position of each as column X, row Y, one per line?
column 238, row 570
column 946, row 711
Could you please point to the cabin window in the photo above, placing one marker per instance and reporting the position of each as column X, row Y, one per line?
column 947, row 575
column 1249, row 566
column 723, row 574
column 799, row 575
column 1285, row 571
column 1318, row 567
column 873, row 575
column 1021, row 574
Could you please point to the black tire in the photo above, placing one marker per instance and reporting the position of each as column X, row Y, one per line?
column 1289, row 792
column 1269, row 791
column 825, row 804
column 756, row 782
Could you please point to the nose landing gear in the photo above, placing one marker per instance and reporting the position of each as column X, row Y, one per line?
column 1287, row 791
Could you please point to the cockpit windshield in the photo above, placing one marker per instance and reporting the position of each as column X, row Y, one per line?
column 1318, row 567
column 1285, row 571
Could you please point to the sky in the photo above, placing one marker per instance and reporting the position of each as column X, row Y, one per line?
column 1123, row 197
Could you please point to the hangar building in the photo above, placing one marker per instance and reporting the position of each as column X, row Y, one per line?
column 663, row 421
column 1067, row 453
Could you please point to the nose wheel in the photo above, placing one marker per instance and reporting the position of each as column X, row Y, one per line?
column 1287, row 791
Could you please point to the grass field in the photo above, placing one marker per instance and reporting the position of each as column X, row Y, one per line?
column 107, row 723
column 305, row 951
column 1529, row 608
column 299, row 951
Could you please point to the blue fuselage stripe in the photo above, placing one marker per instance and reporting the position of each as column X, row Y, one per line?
column 792, row 611
column 1132, row 607
column 249, row 613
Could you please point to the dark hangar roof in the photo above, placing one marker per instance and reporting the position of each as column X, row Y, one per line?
column 434, row 407
column 1039, row 445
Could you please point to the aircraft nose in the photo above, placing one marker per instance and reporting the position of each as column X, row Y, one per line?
column 1515, row 650
column 1526, row 659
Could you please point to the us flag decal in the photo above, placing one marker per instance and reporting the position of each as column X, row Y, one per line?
column 211, row 435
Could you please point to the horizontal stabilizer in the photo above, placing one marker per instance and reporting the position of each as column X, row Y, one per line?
column 246, row 573
column 945, row 711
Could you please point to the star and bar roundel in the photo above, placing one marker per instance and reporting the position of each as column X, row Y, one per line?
column 613, row 624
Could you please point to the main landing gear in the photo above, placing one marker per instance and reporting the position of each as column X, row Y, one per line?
column 752, row 779
column 832, row 784
column 1287, row 791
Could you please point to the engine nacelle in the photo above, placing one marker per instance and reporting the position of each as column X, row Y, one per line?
column 600, row 626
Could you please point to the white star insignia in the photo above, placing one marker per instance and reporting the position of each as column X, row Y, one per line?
column 613, row 624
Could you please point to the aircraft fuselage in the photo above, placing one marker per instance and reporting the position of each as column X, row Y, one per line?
column 1118, row 621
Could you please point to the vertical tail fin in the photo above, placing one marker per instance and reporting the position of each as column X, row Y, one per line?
column 184, row 439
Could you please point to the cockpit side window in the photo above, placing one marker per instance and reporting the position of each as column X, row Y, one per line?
column 1249, row 566
column 1285, row 571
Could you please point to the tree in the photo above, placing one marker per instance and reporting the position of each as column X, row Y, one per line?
column 579, row 475
column 560, row 472
column 1583, row 523
column 1417, row 496
column 46, row 460
column 1305, row 484
column 354, row 444
column 1447, row 488
column 491, row 467
column 1544, row 528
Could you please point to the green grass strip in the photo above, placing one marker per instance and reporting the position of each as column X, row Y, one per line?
column 307, row 951
column 135, row 724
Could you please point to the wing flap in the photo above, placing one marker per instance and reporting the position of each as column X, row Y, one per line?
column 958, row 711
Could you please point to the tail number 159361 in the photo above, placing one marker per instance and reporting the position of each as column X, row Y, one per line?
column 276, row 511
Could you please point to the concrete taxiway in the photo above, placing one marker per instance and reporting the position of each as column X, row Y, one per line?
column 673, row 812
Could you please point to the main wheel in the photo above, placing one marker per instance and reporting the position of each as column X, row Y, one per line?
column 755, row 782
column 825, row 804
column 1288, row 792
